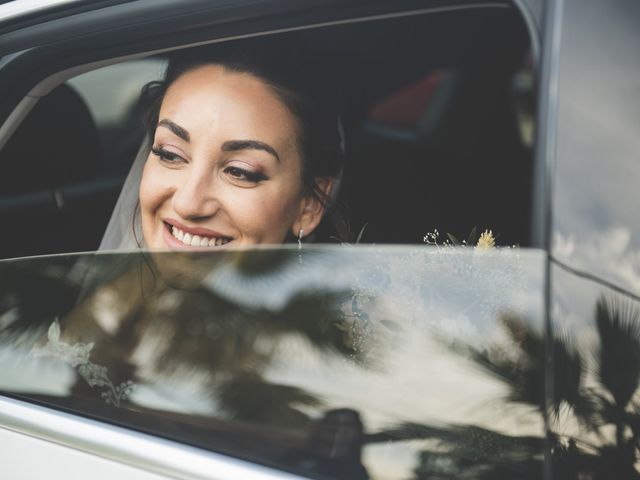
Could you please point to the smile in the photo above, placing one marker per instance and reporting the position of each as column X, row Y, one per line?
column 197, row 240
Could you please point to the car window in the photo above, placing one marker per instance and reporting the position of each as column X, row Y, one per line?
column 332, row 362
column 595, row 252
column 111, row 95
column 436, row 108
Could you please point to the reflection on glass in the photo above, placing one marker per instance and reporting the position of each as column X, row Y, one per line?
column 596, row 176
column 334, row 446
column 594, row 422
column 356, row 362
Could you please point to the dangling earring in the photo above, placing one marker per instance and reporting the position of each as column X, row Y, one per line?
column 300, row 234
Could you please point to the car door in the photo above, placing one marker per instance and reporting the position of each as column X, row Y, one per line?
column 339, row 362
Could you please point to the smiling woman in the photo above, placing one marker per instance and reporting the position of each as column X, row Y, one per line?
column 242, row 152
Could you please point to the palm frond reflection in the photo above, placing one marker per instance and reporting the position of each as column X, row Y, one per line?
column 597, row 406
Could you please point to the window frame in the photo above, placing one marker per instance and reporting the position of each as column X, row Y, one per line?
column 139, row 450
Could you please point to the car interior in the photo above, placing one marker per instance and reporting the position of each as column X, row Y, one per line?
column 437, row 111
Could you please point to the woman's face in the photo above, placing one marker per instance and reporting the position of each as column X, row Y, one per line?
column 224, row 169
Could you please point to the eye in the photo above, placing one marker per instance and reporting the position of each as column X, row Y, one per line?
column 165, row 155
column 238, row 173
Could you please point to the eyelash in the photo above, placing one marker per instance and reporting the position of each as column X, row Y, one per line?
column 165, row 155
column 242, row 174
column 236, row 172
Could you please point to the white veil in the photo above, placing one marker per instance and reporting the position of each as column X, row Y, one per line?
column 124, row 231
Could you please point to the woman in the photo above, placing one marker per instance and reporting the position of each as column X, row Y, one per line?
column 244, row 151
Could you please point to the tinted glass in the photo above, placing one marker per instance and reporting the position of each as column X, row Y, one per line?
column 345, row 362
column 595, row 275
column 598, row 161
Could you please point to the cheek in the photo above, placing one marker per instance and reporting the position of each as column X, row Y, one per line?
column 155, row 191
column 267, row 216
column 153, row 188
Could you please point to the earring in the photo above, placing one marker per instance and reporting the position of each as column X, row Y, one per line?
column 300, row 234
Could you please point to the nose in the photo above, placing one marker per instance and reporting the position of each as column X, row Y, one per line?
column 195, row 196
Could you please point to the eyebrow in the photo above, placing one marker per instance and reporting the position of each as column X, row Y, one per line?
column 228, row 146
column 175, row 128
column 236, row 145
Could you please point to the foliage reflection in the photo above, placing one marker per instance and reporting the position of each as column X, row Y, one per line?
column 312, row 365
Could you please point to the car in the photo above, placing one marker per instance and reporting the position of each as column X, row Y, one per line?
column 478, row 320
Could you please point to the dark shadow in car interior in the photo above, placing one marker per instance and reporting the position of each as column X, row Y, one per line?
column 53, row 196
column 464, row 163
column 432, row 137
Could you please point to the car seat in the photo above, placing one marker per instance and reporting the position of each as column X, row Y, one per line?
column 51, row 199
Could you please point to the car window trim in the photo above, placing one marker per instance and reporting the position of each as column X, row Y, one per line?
column 20, row 8
column 146, row 452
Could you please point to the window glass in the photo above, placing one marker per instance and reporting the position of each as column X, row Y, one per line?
column 595, row 225
column 595, row 253
column 334, row 362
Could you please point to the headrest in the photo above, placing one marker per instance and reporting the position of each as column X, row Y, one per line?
column 57, row 144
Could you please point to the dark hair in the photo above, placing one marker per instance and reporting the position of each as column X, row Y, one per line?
column 320, row 139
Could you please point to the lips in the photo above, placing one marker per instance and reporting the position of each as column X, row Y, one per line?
column 200, row 239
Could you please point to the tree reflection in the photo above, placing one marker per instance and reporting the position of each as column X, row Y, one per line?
column 216, row 326
column 582, row 409
column 196, row 334
column 605, row 404
column 334, row 446
column 469, row 452
column 159, row 321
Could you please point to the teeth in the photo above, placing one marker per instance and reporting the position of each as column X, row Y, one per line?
column 197, row 240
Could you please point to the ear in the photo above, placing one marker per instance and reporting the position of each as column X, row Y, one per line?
column 312, row 208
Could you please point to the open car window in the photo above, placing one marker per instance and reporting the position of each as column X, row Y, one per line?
column 436, row 107
column 330, row 362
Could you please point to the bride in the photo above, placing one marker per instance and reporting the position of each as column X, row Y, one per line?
column 242, row 151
